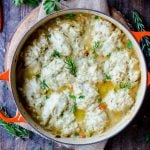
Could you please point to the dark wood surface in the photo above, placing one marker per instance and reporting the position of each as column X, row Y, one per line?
column 132, row 138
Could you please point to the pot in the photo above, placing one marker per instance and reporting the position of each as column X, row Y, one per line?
column 23, row 116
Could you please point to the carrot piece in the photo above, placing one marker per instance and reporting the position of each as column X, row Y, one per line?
column 102, row 106
column 82, row 136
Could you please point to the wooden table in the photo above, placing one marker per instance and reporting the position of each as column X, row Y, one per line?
column 132, row 138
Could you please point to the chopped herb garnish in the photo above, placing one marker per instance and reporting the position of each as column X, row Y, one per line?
column 118, row 48
column 49, row 36
column 72, row 97
column 76, row 134
column 38, row 76
column 126, row 85
column 70, row 16
column 81, row 97
column 44, row 85
column 73, row 108
column 108, row 56
column 71, row 66
column 96, row 17
column 56, row 54
column 99, row 100
column 46, row 97
column 96, row 46
column 129, row 44
column 108, row 77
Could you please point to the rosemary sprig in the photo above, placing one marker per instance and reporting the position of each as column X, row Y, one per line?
column 71, row 66
column 145, row 42
column 137, row 21
column 14, row 130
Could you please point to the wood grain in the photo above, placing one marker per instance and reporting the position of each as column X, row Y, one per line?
column 1, row 16
column 132, row 138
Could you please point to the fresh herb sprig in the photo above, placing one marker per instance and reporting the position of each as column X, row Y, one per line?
column 32, row 3
column 125, row 85
column 137, row 21
column 48, row 5
column 56, row 54
column 51, row 5
column 71, row 66
column 145, row 42
column 14, row 130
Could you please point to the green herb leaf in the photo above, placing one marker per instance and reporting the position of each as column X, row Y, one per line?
column 50, row 6
column 18, row 2
column 108, row 77
column 71, row 66
column 81, row 97
column 99, row 100
column 56, row 54
column 46, row 97
column 76, row 134
column 44, row 85
column 145, row 42
column 126, row 85
column 73, row 108
column 72, row 97
column 70, row 16
column 14, row 130
column 129, row 44
column 49, row 36
column 32, row 3
column 96, row 46
column 96, row 17
column 118, row 48
column 108, row 56
column 38, row 76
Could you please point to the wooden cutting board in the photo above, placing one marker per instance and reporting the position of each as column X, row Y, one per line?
column 38, row 14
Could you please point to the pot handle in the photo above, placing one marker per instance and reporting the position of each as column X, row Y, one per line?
column 148, row 79
column 138, row 36
column 18, row 117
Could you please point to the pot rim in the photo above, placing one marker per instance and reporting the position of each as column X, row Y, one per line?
column 65, row 11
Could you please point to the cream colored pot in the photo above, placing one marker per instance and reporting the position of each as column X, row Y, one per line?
column 24, row 116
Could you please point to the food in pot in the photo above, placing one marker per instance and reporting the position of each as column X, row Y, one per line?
column 78, row 75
